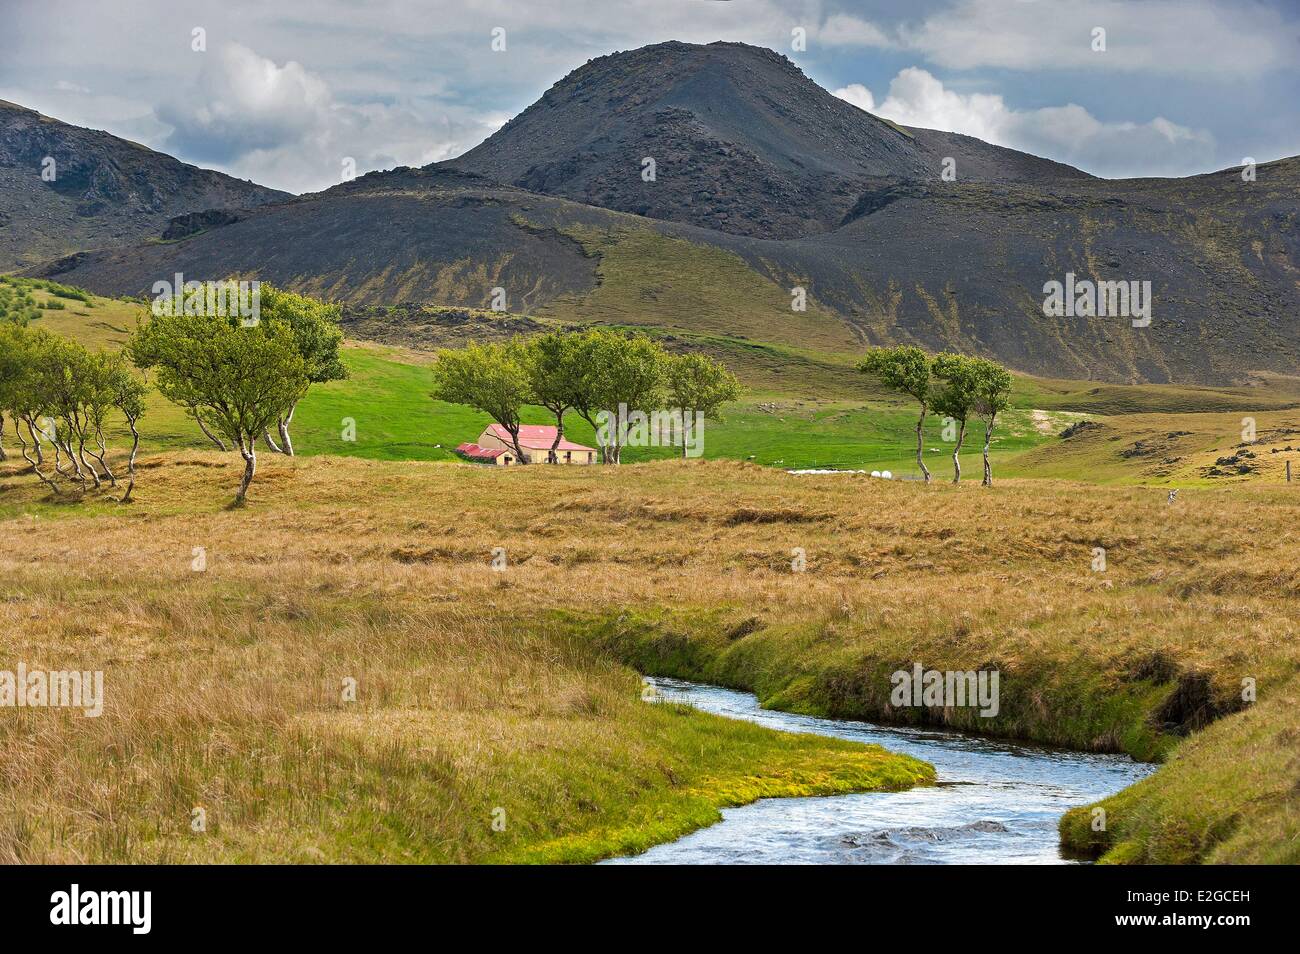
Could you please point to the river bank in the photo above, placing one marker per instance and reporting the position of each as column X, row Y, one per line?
column 992, row 803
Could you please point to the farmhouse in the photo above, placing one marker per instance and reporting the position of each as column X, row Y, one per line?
column 495, row 447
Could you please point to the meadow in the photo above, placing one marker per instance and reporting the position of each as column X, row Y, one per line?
column 517, row 690
column 481, row 689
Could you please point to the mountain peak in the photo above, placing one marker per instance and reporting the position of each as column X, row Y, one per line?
column 726, row 136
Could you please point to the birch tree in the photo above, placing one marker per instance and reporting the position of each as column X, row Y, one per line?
column 907, row 370
column 697, row 385
column 126, row 392
column 27, row 363
column 314, row 326
column 955, row 398
column 239, row 380
column 992, row 390
column 627, row 378
column 491, row 378
column 557, row 371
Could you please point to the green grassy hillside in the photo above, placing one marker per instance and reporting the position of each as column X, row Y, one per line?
column 802, row 409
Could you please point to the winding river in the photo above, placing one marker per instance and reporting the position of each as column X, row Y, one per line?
column 994, row 802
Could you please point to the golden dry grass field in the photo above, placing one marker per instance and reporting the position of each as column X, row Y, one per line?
column 481, row 689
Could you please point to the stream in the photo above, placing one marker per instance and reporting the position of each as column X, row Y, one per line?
column 995, row 802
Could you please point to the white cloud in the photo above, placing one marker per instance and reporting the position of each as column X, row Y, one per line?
column 1066, row 133
column 282, row 126
column 1193, row 37
column 858, row 95
column 243, row 101
column 844, row 30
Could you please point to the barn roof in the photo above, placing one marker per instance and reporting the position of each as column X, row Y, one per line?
column 479, row 453
column 537, row 437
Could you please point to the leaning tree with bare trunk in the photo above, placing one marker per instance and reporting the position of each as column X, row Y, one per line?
column 25, row 366
column 992, row 389
column 955, row 398
column 240, row 380
column 126, row 393
column 906, row 369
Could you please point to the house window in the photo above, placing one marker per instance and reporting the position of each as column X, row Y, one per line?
column 568, row 457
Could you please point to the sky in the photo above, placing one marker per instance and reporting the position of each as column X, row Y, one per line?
column 289, row 92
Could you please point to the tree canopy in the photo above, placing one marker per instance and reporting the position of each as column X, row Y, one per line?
column 491, row 378
column 239, row 380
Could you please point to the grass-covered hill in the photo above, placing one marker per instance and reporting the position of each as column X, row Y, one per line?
column 780, row 421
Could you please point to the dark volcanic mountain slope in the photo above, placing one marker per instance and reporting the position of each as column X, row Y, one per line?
column 386, row 238
column 106, row 191
column 962, row 267
column 943, row 265
column 743, row 142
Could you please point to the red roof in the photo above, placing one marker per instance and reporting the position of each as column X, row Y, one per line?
column 536, row 437
column 479, row 453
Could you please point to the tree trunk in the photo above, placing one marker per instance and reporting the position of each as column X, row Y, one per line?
column 554, row 457
column 285, row 441
column 988, row 435
column 103, row 453
column 605, row 450
column 3, row 455
column 956, row 461
column 615, row 447
column 130, row 461
column 36, row 464
column 58, row 458
column 81, row 455
column 920, row 444
column 271, row 445
column 248, row 451
column 520, row 459
column 221, row 445
column 40, row 455
column 76, row 464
